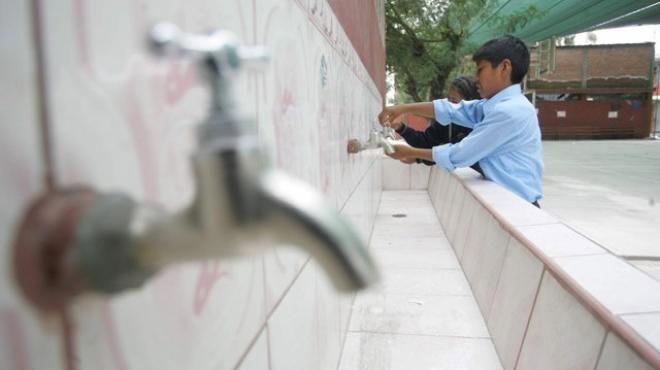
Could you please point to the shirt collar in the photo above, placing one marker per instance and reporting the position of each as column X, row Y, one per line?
column 504, row 94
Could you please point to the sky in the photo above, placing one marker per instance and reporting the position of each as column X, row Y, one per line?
column 624, row 35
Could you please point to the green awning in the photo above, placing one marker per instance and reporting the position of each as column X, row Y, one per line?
column 564, row 17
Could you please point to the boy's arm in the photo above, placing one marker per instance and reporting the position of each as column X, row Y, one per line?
column 391, row 113
column 402, row 151
column 466, row 113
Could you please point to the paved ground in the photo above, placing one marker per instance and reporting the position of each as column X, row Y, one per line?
column 610, row 192
column 423, row 315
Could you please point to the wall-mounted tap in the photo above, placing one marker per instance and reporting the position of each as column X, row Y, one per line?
column 88, row 241
column 377, row 139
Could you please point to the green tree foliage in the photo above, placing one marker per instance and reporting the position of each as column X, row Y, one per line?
column 426, row 41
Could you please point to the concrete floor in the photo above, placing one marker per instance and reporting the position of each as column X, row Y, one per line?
column 610, row 192
column 423, row 315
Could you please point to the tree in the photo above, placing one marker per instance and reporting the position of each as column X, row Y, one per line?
column 426, row 40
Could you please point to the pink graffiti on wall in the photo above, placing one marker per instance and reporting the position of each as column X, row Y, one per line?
column 209, row 274
column 144, row 91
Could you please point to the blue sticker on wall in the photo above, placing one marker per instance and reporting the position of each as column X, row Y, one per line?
column 323, row 72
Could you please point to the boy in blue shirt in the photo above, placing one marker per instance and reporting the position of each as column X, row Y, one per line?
column 506, row 139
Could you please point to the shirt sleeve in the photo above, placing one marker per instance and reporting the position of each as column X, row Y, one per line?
column 467, row 113
column 495, row 130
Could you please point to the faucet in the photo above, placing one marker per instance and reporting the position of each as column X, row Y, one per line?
column 108, row 242
column 377, row 139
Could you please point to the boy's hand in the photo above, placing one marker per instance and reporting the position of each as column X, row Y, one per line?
column 408, row 160
column 401, row 150
column 393, row 115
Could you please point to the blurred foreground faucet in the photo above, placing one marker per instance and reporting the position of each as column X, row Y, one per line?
column 75, row 240
column 377, row 139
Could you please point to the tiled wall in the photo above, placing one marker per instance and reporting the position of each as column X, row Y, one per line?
column 400, row 176
column 122, row 120
column 551, row 298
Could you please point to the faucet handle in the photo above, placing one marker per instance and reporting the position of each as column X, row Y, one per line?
column 219, row 57
column 223, row 47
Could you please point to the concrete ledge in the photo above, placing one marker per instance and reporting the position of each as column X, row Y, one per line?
column 552, row 298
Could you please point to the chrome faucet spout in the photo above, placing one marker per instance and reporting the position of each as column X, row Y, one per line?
column 108, row 242
column 300, row 216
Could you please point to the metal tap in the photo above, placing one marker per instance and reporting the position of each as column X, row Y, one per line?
column 241, row 205
column 377, row 139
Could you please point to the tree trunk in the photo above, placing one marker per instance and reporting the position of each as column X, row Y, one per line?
column 411, row 88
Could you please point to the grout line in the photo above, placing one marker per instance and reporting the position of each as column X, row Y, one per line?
column 352, row 300
column 269, row 315
column 420, row 269
column 417, row 335
column 357, row 186
column 269, row 347
column 529, row 318
column 640, row 258
column 250, row 346
column 600, row 351
column 499, row 276
column 286, row 291
column 368, row 293
column 345, row 335
column 637, row 313
column 41, row 86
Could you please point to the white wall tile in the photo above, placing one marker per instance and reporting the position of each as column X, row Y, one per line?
column 471, row 215
column 617, row 355
column 562, row 334
column 483, row 263
column 455, row 211
column 185, row 307
column 292, row 328
column 512, row 303
column 448, row 200
column 124, row 121
column 396, row 175
column 419, row 176
column 29, row 340
column 463, row 219
column 476, row 236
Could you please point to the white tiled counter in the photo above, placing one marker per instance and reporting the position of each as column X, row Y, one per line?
column 551, row 298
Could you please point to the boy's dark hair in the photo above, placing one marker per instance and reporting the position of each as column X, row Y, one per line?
column 505, row 47
column 466, row 87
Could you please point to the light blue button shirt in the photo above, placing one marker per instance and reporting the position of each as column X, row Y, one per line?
column 506, row 140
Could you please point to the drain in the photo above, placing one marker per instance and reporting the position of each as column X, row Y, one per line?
column 399, row 215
